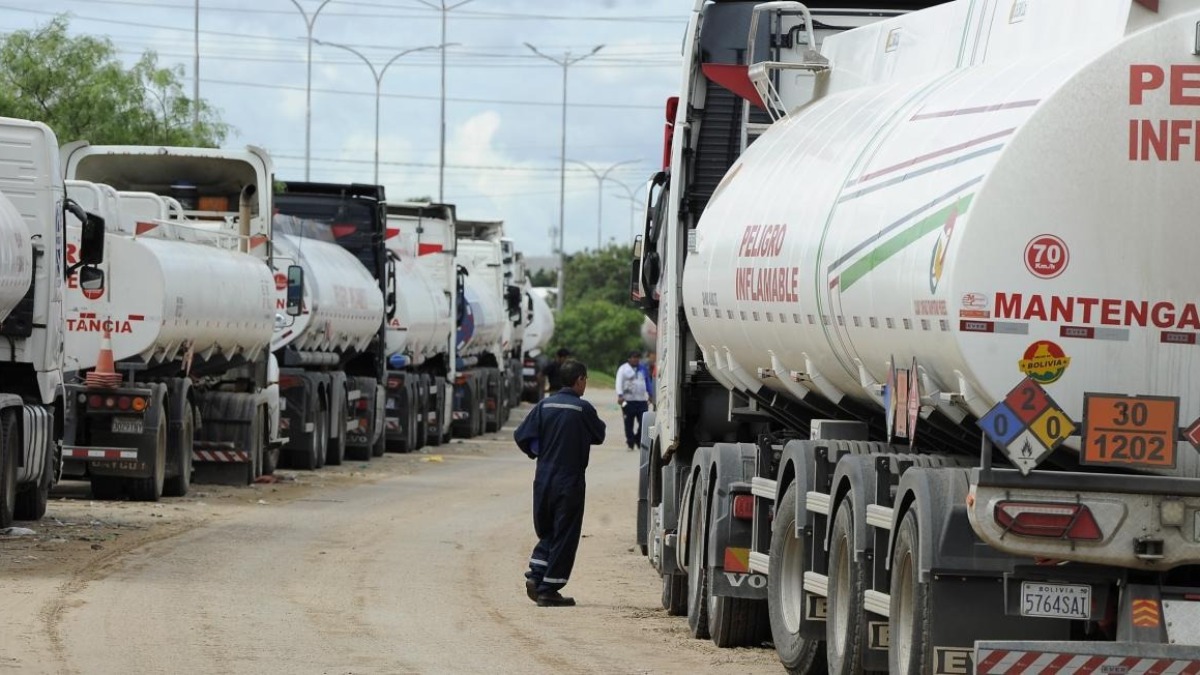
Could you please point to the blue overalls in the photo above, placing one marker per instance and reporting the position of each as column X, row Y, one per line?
column 558, row 433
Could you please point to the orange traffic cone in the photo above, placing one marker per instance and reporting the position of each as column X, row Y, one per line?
column 104, row 375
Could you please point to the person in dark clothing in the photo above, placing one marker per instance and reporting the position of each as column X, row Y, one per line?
column 558, row 433
column 553, row 378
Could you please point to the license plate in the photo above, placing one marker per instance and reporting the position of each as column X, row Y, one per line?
column 1062, row 601
column 127, row 425
column 528, row 372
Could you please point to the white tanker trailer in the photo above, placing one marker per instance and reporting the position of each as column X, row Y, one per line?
column 539, row 330
column 479, row 400
column 339, row 317
column 33, row 276
column 185, row 317
column 929, row 342
column 421, row 336
column 332, row 353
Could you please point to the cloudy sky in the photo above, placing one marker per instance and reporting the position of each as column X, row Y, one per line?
column 503, row 103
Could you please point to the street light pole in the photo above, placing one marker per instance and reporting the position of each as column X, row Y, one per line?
column 309, row 22
column 196, row 73
column 378, row 75
column 601, row 176
column 633, row 204
column 444, row 9
column 565, row 62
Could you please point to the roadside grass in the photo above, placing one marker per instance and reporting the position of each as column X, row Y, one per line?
column 600, row 379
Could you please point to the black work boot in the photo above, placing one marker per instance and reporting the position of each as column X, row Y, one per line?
column 554, row 599
column 531, row 589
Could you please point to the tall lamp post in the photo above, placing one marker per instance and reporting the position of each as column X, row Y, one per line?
column 444, row 9
column 601, row 176
column 565, row 62
column 634, row 202
column 309, row 22
column 378, row 75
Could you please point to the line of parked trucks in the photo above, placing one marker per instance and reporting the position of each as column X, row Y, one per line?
column 178, row 314
column 927, row 390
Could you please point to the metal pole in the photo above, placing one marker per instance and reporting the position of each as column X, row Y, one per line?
column 309, row 23
column 196, row 73
column 444, row 9
column 442, row 124
column 378, row 76
column 600, row 178
column 566, row 62
column 562, row 190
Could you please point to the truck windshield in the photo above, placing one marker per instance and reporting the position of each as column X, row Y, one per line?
column 350, row 221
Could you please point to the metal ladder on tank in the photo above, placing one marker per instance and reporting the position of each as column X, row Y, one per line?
column 765, row 75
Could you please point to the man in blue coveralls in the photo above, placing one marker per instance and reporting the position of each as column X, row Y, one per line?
column 558, row 433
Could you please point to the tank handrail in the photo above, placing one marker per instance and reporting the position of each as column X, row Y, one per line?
column 228, row 237
column 760, row 72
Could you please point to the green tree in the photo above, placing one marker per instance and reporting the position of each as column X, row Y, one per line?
column 599, row 275
column 543, row 278
column 80, row 89
column 599, row 332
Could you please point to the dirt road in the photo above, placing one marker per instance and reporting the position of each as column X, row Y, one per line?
column 409, row 564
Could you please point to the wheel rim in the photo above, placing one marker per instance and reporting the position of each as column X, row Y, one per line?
column 841, row 608
column 696, row 568
column 902, row 617
column 791, row 582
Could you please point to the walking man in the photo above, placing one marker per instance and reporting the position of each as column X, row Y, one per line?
column 632, row 397
column 558, row 433
column 554, row 370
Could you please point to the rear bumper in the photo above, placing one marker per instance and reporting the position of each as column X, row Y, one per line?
column 1147, row 522
column 1021, row 658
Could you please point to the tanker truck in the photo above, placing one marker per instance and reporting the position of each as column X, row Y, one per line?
column 34, row 269
column 421, row 336
column 539, row 330
column 927, row 336
column 172, row 376
column 331, row 352
column 337, row 321
column 483, row 367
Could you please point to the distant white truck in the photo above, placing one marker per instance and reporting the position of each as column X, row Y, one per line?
column 421, row 336
column 33, row 276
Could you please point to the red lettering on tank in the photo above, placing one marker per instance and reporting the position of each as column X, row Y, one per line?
column 767, row 284
column 1121, row 312
column 98, row 325
column 1164, row 139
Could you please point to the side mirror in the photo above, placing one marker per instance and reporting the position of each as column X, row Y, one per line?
column 390, row 301
column 91, row 280
column 295, row 290
column 91, row 239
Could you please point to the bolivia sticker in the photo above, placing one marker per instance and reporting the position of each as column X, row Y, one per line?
column 1044, row 362
column 1046, row 256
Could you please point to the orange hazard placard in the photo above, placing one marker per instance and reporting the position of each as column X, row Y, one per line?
column 1129, row 430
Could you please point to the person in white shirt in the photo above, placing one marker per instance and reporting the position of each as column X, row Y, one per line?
column 632, row 397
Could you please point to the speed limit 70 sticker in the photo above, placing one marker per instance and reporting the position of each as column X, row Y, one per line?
column 1130, row 430
column 1046, row 256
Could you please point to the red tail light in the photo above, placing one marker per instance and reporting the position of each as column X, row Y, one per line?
column 95, row 401
column 1049, row 520
column 743, row 507
column 362, row 403
column 288, row 381
column 394, row 383
column 123, row 403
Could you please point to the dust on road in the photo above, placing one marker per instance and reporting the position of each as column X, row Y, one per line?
column 407, row 564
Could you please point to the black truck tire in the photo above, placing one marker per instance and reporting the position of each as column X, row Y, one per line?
column 698, row 567
column 845, row 641
column 10, row 447
column 151, row 489
column 911, row 608
column 179, row 484
column 785, row 592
